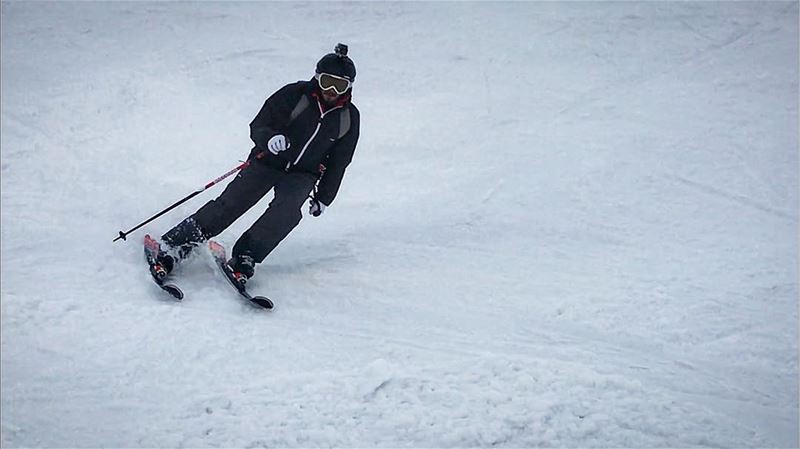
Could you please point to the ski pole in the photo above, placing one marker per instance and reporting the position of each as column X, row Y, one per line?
column 123, row 235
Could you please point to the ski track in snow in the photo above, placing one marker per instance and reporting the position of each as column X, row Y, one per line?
column 566, row 225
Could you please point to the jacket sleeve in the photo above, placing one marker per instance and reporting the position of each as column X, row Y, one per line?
column 338, row 160
column 274, row 115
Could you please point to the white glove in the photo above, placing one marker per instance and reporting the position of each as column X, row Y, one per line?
column 277, row 144
column 316, row 208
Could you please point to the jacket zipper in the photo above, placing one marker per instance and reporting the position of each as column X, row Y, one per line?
column 310, row 139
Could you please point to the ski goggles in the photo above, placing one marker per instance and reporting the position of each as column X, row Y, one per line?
column 337, row 83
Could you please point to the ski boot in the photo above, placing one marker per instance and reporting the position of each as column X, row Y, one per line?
column 243, row 268
column 159, row 261
column 160, row 264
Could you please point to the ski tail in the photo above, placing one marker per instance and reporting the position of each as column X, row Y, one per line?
column 218, row 251
column 151, row 246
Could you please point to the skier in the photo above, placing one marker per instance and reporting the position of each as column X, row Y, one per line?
column 305, row 136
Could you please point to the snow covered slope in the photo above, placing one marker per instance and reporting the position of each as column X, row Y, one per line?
column 567, row 224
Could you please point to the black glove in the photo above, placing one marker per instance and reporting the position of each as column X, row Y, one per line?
column 316, row 208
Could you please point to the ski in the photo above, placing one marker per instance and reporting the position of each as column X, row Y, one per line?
column 157, row 272
column 218, row 251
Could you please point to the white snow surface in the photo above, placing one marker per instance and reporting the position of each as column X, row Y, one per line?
column 566, row 225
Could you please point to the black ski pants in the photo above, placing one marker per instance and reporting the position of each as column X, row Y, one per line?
column 249, row 186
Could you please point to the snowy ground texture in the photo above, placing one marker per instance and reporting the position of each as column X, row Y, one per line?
column 566, row 225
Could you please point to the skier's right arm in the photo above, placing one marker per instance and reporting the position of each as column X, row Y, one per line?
column 273, row 116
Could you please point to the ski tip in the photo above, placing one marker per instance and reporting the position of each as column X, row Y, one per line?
column 263, row 302
column 173, row 290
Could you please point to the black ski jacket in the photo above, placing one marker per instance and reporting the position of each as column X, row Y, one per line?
column 321, row 140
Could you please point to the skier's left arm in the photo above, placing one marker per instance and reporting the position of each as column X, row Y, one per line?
column 340, row 157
